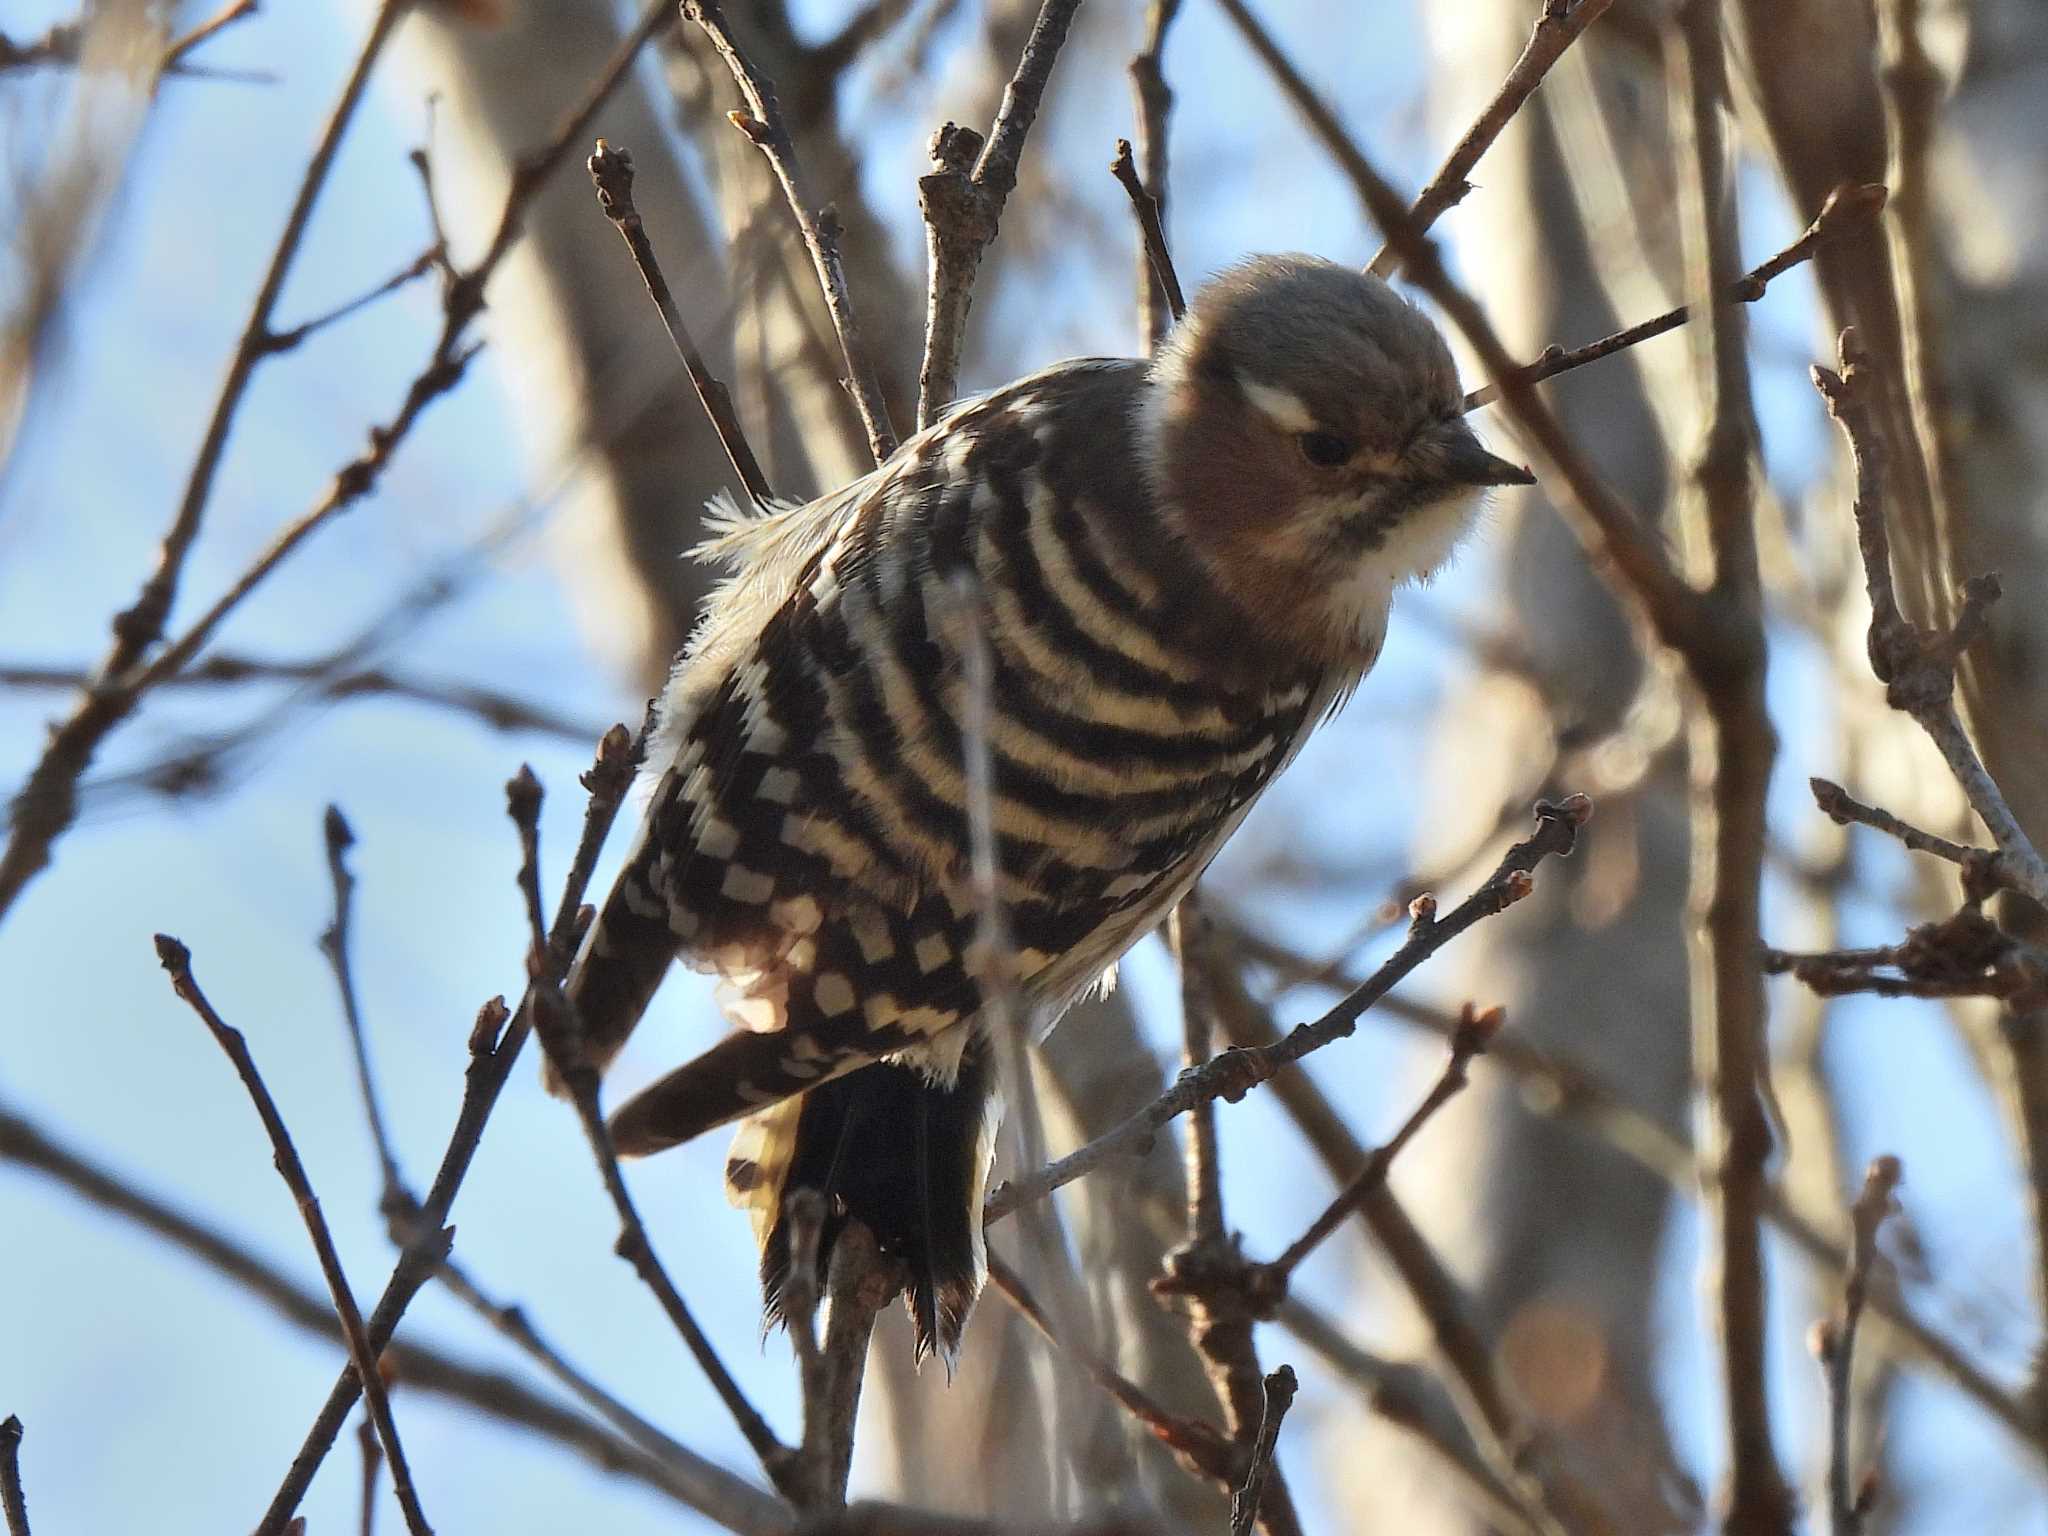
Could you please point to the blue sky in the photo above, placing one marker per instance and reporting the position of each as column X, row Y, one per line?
column 147, row 1387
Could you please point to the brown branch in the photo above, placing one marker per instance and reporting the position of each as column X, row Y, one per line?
column 560, row 1034
column 611, row 169
column 334, row 945
column 1197, row 1445
column 1520, row 1466
column 1916, row 665
column 1980, row 866
column 1159, row 295
column 762, row 123
column 1235, row 1072
column 1162, row 280
column 366, row 1442
column 1557, row 27
column 657, row 1462
column 1245, row 1511
column 1732, row 749
column 1847, row 209
column 1474, row 1031
column 13, row 1502
column 495, row 1044
column 963, row 197
column 1208, row 1275
column 433, row 259
column 1561, row 1089
column 1963, row 955
column 1849, row 1501
column 173, row 60
column 177, row 962
column 493, row 707
column 48, row 804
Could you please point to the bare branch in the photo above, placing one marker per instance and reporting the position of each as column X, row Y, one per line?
column 177, row 961
column 47, row 805
column 1244, row 1508
column 963, row 198
column 495, row 1044
column 1848, row 209
column 762, row 123
column 1557, row 27
column 1835, row 1343
column 612, row 170
column 1235, row 1072
column 1159, row 295
column 1917, row 666
column 1475, row 1030
column 1163, row 279
column 560, row 1034
column 13, row 1502
column 657, row 1461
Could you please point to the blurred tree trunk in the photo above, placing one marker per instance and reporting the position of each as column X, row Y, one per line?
column 1558, row 1239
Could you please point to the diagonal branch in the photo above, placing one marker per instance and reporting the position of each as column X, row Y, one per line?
column 1557, row 27
column 1235, row 1072
column 177, row 961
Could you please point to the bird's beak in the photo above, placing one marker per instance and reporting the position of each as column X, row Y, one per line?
column 1451, row 455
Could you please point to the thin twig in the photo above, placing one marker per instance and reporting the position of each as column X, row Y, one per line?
column 433, row 259
column 366, row 1443
column 611, row 169
column 1847, row 209
column 13, row 1502
column 657, row 1462
column 560, row 1035
column 174, row 56
column 862, row 1280
column 1234, row 1073
column 1159, row 295
column 762, row 123
column 335, row 946
column 177, row 962
column 1840, row 806
column 963, row 197
column 1557, row 27
column 1163, row 279
column 1474, row 1032
column 495, row 1043
column 1244, row 1508
column 1850, row 1498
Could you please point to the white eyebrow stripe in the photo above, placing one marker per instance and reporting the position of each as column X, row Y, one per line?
column 1282, row 407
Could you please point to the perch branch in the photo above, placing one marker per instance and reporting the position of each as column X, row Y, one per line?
column 1162, row 279
column 1232, row 1074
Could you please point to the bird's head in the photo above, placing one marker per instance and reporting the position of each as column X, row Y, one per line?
column 1304, row 424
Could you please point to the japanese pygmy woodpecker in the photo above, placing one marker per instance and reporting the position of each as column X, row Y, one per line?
column 1181, row 567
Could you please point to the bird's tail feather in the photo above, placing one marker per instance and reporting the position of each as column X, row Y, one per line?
column 905, row 1156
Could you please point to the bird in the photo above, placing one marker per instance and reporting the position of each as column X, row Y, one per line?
column 1179, row 567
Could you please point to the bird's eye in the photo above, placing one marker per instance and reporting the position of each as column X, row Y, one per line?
column 1325, row 450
